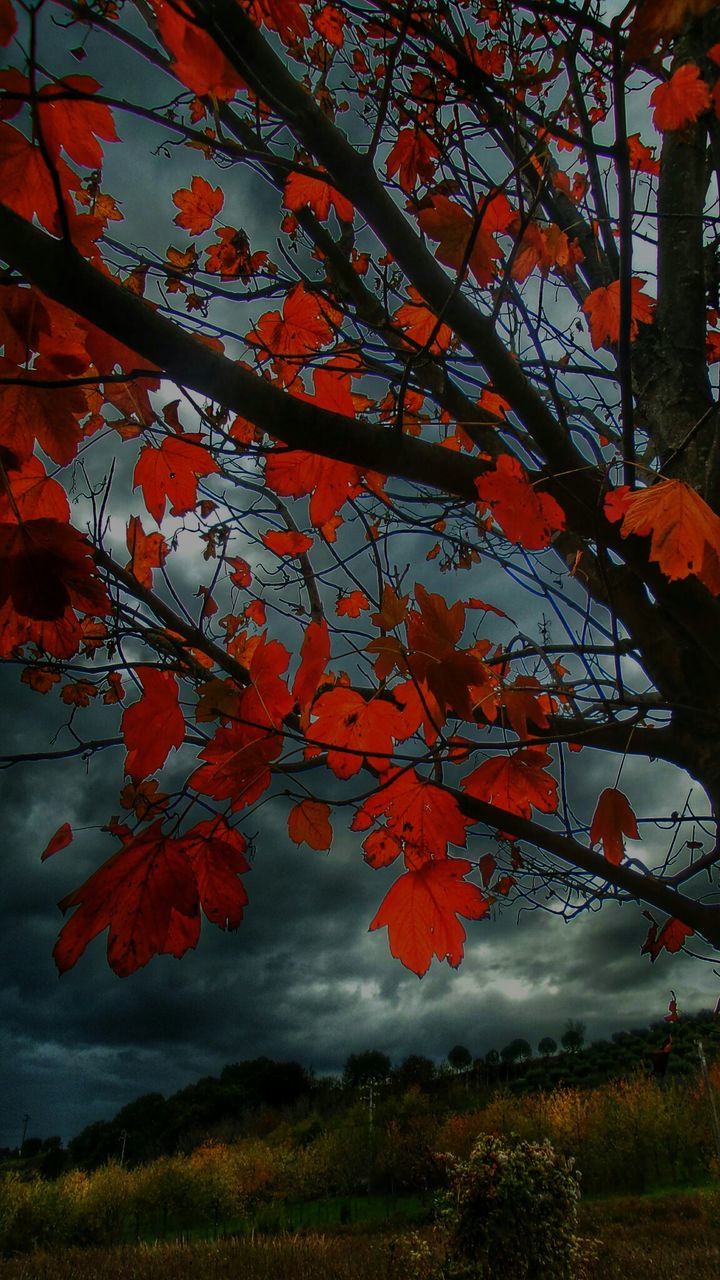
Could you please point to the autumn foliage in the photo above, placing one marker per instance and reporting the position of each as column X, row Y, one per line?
column 367, row 462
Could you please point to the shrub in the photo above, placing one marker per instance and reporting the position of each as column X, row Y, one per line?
column 511, row 1210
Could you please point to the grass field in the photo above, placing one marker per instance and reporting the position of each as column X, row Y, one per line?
column 673, row 1237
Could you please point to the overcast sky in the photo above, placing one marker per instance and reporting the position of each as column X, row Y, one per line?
column 302, row 978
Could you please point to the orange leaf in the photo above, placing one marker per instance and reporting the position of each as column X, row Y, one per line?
column 602, row 307
column 309, row 823
column 613, row 818
column 148, row 551
column 452, row 226
column 25, row 180
column 526, row 515
column 420, row 817
column 303, row 191
column 420, row 912
column 153, row 725
column 290, row 543
column 680, row 101
column 352, row 605
column 197, row 61
column 199, row 206
column 516, row 783
column 353, row 729
column 329, row 23
column 414, row 156
column 684, row 530
column 62, row 838
column 172, row 472
column 314, row 656
column 671, row 937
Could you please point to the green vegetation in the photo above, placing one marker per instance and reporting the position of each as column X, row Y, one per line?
column 504, row 1183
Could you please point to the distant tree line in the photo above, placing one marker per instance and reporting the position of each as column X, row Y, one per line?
column 255, row 1097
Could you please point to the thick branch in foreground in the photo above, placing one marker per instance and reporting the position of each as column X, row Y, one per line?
column 645, row 888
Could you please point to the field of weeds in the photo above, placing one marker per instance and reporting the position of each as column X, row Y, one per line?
column 672, row 1237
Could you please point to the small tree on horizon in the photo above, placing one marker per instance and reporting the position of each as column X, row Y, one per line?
column 573, row 1037
column 460, row 1058
column 369, row 1066
column 547, row 1047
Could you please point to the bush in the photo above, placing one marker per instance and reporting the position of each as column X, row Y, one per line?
column 511, row 1210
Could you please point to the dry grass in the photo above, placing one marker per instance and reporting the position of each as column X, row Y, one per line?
column 674, row 1237
column 281, row 1258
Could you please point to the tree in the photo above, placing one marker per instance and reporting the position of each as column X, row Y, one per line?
column 484, row 326
column 460, row 1058
column 364, row 1068
column 573, row 1036
column 518, row 1050
column 547, row 1047
column 415, row 1070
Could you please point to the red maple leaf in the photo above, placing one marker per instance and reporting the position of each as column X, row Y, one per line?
column 415, row 320
column 453, row 677
column 352, row 605
column 419, row 817
column 287, row 543
column 31, row 494
column 284, row 16
column 68, row 124
column 199, row 205
column 414, row 156
column 302, row 191
column 216, row 853
column 146, row 896
column 197, row 61
column 301, row 330
column 602, row 307
column 354, row 729
column 680, row 100
column 449, row 223
column 26, row 183
column 152, row 725
column 684, row 531
column 172, row 472
column 49, row 415
column 613, row 819
column 314, row 656
column 148, row 551
column 237, row 764
column 309, row 823
column 671, row 937
column 420, row 912
column 517, row 783
column 329, row 23
column 527, row 515
column 46, row 567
